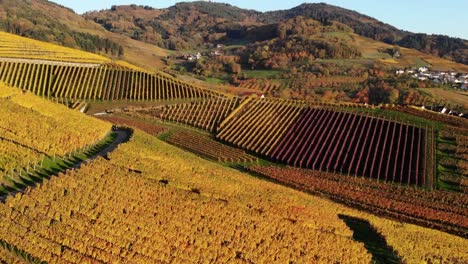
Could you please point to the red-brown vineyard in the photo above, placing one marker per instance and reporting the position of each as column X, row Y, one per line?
column 354, row 144
column 332, row 140
column 443, row 210
column 206, row 114
column 208, row 148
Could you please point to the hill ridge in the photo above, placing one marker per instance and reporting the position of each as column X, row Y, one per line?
column 225, row 14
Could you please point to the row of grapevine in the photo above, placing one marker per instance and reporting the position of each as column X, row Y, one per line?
column 265, row 86
column 84, row 218
column 7, row 256
column 32, row 128
column 444, row 210
column 207, row 114
column 323, row 138
column 208, row 148
column 259, row 123
column 104, row 82
column 452, row 157
column 13, row 46
column 355, row 144
column 149, row 128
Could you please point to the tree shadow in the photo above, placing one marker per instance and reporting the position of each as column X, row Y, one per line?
column 373, row 241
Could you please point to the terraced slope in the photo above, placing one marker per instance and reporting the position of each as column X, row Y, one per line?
column 96, row 82
column 206, row 114
column 84, row 216
column 13, row 46
column 31, row 128
column 331, row 140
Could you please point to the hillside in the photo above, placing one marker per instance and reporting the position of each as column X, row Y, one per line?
column 267, row 180
column 183, row 26
column 13, row 47
column 34, row 131
column 302, row 58
column 47, row 21
column 315, row 52
column 135, row 205
column 195, row 24
column 438, row 45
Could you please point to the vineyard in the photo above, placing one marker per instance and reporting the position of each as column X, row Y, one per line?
column 258, row 124
column 82, row 217
column 444, row 210
column 151, row 129
column 16, row 47
column 355, row 144
column 96, row 82
column 331, row 140
column 442, row 118
column 208, row 148
column 265, row 86
column 452, row 148
column 207, row 114
column 31, row 130
column 178, row 208
column 148, row 202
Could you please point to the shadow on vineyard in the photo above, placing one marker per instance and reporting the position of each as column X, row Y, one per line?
column 28, row 258
column 56, row 165
column 374, row 242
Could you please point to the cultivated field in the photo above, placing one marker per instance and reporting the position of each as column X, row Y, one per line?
column 268, row 180
column 130, row 208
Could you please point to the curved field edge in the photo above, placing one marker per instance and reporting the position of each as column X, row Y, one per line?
column 218, row 181
column 52, row 166
column 157, row 161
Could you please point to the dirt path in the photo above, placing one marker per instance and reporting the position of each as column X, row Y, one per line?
column 122, row 137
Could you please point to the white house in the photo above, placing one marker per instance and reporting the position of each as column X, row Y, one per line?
column 423, row 69
column 400, row 72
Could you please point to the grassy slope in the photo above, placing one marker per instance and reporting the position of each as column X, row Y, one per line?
column 453, row 97
column 410, row 57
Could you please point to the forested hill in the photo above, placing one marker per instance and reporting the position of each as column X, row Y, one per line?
column 194, row 24
column 361, row 24
column 179, row 27
column 438, row 45
column 47, row 21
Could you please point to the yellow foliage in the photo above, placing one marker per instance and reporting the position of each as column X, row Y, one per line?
column 32, row 127
column 13, row 46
